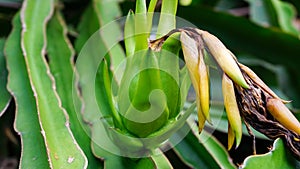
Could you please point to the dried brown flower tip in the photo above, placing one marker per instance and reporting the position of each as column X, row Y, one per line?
column 266, row 112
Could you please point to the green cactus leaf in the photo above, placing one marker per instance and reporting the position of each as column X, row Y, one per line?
column 27, row 124
column 65, row 151
column 278, row 157
column 62, row 67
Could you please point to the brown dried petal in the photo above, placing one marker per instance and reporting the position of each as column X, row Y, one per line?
column 252, row 105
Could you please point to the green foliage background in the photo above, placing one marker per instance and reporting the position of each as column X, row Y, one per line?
column 263, row 34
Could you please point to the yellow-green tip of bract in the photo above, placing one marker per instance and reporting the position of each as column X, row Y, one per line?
column 232, row 110
column 223, row 57
column 231, row 137
column 192, row 60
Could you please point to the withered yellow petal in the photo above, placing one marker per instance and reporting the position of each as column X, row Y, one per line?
column 281, row 113
column 223, row 57
column 190, row 53
column 204, row 86
column 191, row 57
column 231, row 108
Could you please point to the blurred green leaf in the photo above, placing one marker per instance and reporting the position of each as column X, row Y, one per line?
column 296, row 3
column 167, row 19
column 65, row 151
column 225, row 5
column 5, row 96
column 27, row 124
column 274, row 13
column 203, row 150
column 278, row 157
column 210, row 3
column 287, row 15
column 107, row 12
column 88, row 25
column 263, row 13
column 87, row 64
column 216, row 150
column 97, row 49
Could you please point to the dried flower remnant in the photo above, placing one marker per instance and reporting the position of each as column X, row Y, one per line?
column 245, row 95
column 266, row 113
